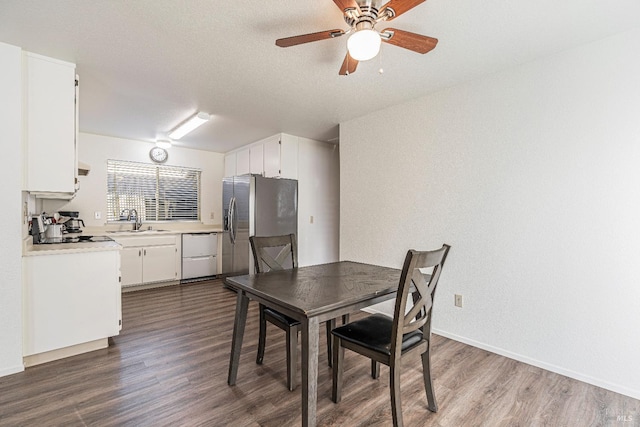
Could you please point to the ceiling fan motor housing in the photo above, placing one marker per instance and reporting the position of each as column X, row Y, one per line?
column 366, row 17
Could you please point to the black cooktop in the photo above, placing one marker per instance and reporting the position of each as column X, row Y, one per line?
column 76, row 239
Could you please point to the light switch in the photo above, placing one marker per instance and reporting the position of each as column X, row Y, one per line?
column 97, row 215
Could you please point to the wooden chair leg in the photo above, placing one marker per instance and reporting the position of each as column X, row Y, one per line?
column 338, row 356
column 262, row 336
column 394, row 388
column 292, row 356
column 428, row 383
column 331, row 324
column 375, row 369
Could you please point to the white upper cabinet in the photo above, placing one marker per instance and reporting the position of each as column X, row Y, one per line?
column 50, row 127
column 272, row 156
column 230, row 165
column 281, row 156
column 288, row 156
column 256, row 156
column 243, row 162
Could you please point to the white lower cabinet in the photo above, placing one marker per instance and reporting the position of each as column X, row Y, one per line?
column 146, row 260
column 131, row 266
column 159, row 263
column 69, row 300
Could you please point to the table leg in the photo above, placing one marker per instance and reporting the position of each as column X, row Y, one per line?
column 310, row 337
column 242, row 304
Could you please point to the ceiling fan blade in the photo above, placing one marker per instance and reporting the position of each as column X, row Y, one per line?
column 306, row 38
column 347, row 4
column 349, row 65
column 398, row 7
column 412, row 41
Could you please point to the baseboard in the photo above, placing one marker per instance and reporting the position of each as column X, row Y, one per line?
column 49, row 356
column 149, row 286
column 634, row 393
column 12, row 370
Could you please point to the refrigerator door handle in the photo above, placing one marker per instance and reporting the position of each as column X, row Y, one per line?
column 232, row 217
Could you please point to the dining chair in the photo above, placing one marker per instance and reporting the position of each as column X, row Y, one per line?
column 279, row 253
column 385, row 340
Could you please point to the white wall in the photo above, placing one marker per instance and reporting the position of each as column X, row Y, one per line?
column 95, row 150
column 11, row 196
column 533, row 176
column 318, row 197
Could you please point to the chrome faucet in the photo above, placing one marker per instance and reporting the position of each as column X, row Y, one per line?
column 137, row 220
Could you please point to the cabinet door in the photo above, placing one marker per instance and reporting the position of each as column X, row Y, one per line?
column 243, row 162
column 230, row 165
column 69, row 299
column 281, row 156
column 159, row 263
column 256, row 159
column 289, row 156
column 131, row 266
column 50, row 87
column 272, row 157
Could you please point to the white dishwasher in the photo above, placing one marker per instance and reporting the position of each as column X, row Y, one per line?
column 199, row 255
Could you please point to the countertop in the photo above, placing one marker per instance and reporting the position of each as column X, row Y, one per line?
column 67, row 248
column 114, row 231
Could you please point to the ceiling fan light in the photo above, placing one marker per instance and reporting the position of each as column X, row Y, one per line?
column 364, row 44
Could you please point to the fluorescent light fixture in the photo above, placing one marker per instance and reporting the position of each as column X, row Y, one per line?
column 189, row 125
column 364, row 44
column 163, row 143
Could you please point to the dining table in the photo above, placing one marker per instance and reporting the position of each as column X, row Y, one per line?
column 311, row 295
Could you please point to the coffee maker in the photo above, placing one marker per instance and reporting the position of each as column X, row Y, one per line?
column 72, row 224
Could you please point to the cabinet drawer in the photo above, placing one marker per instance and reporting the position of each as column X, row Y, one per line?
column 197, row 245
column 199, row 267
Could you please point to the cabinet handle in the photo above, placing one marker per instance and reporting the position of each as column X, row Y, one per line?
column 145, row 252
column 139, row 252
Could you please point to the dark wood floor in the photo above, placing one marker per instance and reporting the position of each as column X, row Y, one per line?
column 168, row 367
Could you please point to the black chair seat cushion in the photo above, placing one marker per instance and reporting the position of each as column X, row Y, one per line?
column 374, row 332
column 281, row 317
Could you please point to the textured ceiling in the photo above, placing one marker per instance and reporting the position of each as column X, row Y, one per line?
column 146, row 65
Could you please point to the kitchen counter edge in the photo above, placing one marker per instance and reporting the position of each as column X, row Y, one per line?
column 29, row 249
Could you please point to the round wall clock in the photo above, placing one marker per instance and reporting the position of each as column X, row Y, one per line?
column 158, row 155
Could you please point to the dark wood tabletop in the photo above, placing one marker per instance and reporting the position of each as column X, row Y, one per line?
column 310, row 291
column 312, row 295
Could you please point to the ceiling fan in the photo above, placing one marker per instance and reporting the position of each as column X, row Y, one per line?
column 364, row 41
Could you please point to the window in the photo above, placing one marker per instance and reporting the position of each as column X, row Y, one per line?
column 156, row 192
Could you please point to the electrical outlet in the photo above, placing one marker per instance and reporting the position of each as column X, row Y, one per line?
column 311, row 219
column 458, row 300
column 97, row 215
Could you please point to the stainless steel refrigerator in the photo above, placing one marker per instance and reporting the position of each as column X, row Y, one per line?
column 253, row 205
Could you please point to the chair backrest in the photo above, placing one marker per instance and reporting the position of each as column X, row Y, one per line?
column 422, row 288
column 274, row 252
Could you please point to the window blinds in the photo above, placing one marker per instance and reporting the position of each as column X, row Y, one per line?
column 156, row 192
